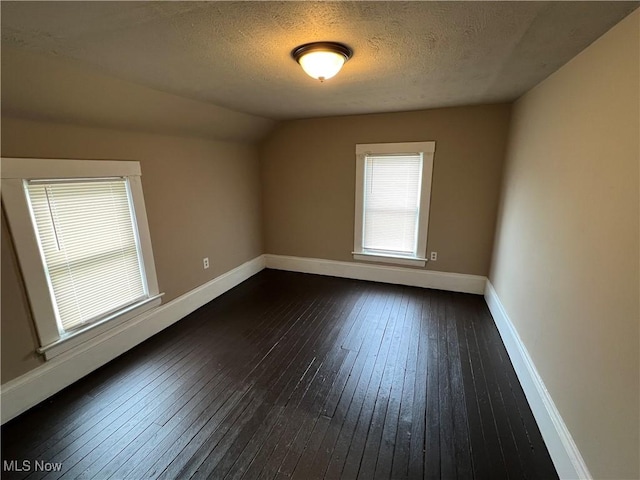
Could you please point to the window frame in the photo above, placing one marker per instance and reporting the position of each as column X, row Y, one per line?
column 427, row 149
column 13, row 173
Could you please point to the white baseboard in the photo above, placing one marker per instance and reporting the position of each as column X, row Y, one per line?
column 563, row 450
column 455, row 282
column 22, row 393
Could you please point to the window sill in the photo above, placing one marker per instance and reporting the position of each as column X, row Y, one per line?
column 77, row 338
column 395, row 259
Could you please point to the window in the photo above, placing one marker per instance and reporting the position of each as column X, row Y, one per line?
column 82, row 239
column 393, row 190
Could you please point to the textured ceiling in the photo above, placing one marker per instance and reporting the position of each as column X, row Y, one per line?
column 407, row 55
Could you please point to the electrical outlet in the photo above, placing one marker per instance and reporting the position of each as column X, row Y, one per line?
column 205, row 262
column 434, row 256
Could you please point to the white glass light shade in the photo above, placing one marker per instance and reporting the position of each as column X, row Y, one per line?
column 322, row 65
column 321, row 60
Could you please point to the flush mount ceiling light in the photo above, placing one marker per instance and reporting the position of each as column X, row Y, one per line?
column 321, row 60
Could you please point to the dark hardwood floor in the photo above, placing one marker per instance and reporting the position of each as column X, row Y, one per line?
column 297, row 376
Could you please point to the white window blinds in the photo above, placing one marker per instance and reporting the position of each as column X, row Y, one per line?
column 391, row 204
column 89, row 242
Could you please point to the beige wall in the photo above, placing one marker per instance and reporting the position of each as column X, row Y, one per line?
column 18, row 340
column 566, row 261
column 202, row 198
column 308, row 181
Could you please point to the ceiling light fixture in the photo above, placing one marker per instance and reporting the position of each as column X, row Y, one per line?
column 321, row 60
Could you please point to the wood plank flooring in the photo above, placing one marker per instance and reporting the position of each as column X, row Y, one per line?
column 295, row 376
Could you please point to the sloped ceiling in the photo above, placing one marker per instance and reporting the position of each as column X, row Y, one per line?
column 51, row 89
column 236, row 55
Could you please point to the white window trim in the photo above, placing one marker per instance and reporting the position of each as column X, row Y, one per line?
column 13, row 172
column 428, row 150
